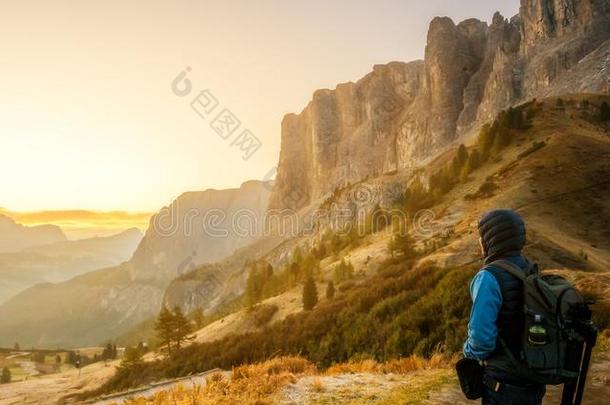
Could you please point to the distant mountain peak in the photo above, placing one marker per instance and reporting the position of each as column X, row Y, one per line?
column 15, row 237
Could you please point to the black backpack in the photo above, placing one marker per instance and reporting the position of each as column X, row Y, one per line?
column 552, row 340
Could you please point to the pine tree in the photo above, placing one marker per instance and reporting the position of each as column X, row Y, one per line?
column 501, row 140
column 465, row 172
column 297, row 256
column 164, row 328
column 198, row 318
column 295, row 271
column 16, row 347
column 343, row 271
column 58, row 359
column 109, row 352
column 181, row 327
column 417, row 196
column 6, row 376
column 474, row 160
column 604, row 112
column 142, row 347
column 515, row 118
column 485, row 140
column 471, row 165
column 402, row 243
column 459, row 161
column 330, row 290
column 132, row 358
column 310, row 294
column 254, row 286
column 269, row 274
column 71, row 358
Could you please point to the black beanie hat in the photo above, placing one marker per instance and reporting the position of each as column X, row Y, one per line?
column 502, row 233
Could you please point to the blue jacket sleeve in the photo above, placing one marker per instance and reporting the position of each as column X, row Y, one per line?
column 482, row 329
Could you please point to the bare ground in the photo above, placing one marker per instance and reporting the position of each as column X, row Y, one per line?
column 431, row 387
column 49, row 389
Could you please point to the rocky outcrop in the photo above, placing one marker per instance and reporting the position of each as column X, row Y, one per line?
column 401, row 115
column 556, row 36
column 344, row 134
column 543, row 20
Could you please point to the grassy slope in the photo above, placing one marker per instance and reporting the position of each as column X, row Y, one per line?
column 557, row 189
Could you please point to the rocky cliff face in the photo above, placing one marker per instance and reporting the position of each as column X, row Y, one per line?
column 403, row 114
column 200, row 227
column 344, row 134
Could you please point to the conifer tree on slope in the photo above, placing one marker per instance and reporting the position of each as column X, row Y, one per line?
column 181, row 327
column 310, row 294
column 164, row 328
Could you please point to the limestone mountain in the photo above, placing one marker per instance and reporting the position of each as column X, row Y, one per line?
column 197, row 228
column 200, row 227
column 403, row 114
column 61, row 261
column 15, row 237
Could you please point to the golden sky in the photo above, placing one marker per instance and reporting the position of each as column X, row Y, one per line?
column 78, row 224
column 88, row 119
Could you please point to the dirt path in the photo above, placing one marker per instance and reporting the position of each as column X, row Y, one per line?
column 186, row 382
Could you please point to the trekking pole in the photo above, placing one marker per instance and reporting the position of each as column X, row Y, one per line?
column 590, row 334
column 569, row 388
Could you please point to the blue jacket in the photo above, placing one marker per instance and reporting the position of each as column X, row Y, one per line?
column 486, row 303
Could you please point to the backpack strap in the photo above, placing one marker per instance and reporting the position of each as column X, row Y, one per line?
column 509, row 353
column 512, row 269
column 520, row 274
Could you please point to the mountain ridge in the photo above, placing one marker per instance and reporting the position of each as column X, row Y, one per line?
column 402, row 114
column 60, row 261
column 15, row 236
column 104, row 303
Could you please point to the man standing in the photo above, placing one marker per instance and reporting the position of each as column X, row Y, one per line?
column 497, row 318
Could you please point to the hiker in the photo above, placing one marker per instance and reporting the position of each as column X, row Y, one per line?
column 497, row 319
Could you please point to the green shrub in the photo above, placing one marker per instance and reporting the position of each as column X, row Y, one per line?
column 262, row 314
column 535, row 146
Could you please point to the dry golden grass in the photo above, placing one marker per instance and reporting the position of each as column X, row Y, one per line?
column 603, row 341
column 249, row 384
column 398, row 366
column 260, row 383
column 419, row 388
column 317, row 385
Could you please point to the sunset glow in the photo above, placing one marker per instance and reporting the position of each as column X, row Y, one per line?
column 88, row 119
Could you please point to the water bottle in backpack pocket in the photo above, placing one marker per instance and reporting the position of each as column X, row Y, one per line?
column 550, row 342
